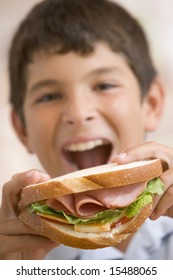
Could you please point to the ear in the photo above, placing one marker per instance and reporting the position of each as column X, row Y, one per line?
column 153, row 104
column 20, row 129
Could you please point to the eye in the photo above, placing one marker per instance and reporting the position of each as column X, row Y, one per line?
column 105, row 86
column 48, row 97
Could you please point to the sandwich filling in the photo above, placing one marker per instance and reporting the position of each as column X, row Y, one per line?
column 99, row 210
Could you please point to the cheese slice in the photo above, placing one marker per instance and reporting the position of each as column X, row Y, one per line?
column 51, row 217
column 95, row 227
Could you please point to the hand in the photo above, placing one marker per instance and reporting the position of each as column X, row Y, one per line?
column 162, row 205
column 17, row 240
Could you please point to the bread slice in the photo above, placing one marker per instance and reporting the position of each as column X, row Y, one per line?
column 66, row 235
column 104, row 176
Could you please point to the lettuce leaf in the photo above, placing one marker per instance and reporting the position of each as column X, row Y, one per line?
column 106, row 216
column 134, row 208
column 155, row 186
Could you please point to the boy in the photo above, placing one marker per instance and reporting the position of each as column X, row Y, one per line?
column 84, row 92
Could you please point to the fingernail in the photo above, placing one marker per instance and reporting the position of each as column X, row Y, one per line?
column 44, row 176
column 122, row 155
column 30, row 174
column 152, row 216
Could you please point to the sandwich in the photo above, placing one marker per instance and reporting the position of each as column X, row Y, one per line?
column 95, row 207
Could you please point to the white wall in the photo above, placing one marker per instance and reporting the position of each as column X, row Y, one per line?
column 156, row 17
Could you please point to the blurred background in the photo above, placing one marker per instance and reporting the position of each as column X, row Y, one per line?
column 157, row 20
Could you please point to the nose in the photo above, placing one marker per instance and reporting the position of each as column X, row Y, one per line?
column 79, row 110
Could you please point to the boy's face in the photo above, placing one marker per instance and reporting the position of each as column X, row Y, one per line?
column 80, row 110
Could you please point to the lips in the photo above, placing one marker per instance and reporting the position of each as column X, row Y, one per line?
column 87, row 154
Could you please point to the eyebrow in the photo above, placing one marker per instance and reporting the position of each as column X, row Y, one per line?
column 105, row 70
column 44, row 83
column 95, row 72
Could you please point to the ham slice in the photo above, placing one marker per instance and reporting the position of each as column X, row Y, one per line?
column 87, row 204
column 64, row 202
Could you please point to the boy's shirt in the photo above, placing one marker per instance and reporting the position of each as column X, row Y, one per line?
column 154, row 241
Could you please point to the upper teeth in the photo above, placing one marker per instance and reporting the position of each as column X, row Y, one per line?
column 83, row 146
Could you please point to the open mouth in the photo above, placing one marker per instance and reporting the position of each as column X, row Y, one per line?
column 88, row 154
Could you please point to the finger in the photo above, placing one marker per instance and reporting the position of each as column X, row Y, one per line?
column 11, row 190
column 18, row 243
column 26, row 178
column 164, row 206
column 163, row 202
column 148, row 150
column 16, row 227
column 169, row 212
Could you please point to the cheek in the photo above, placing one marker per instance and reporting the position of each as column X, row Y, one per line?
column 40, row 129
column 123, row 109
column 126, row 118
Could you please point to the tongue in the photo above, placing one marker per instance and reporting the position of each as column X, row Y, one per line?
column 96, row 156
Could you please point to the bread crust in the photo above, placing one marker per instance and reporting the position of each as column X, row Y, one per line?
column 142, row 171
column 66, row 235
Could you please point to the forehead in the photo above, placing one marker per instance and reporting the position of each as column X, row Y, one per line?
column 75, row 66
